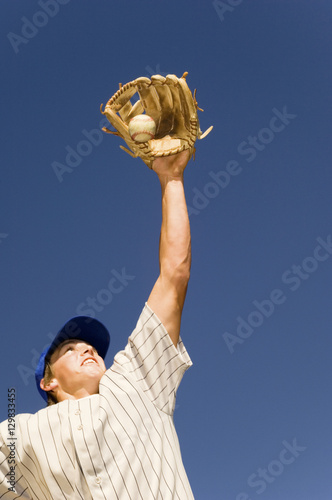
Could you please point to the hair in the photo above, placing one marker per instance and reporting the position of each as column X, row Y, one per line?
column 48, row 375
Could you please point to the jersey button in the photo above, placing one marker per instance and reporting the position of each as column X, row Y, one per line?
column 98, row 480
column 80, row 427
column 77, row 412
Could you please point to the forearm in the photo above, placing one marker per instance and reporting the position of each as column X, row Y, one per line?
column 175, row 242
column 169, row 292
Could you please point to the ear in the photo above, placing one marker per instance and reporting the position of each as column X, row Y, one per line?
column 53, row 384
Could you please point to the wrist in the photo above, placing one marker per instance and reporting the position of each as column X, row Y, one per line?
column 171, row 167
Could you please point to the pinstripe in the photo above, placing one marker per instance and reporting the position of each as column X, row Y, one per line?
column 135, row 425
column 67, row 453
column 150, row 387
column 89, row 453
column 17, row 496
column 110, row 449
column 125, row 433
column 35, row 463
column 170, row 443
column 105, row 467
column 145, row 322
column 30, row 485
column 140, row 415
column 57, row 451
column 120, row 443
column 155, row 364
column 45, row 454
column 87, row 448
column 157, row 431
column 64, row 447
column 79, row 466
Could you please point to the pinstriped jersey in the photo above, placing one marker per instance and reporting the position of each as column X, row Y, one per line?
column 118, row 444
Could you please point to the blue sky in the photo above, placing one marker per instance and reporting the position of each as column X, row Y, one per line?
column 254, row 412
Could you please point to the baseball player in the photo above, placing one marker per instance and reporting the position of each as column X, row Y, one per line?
column 109, row 433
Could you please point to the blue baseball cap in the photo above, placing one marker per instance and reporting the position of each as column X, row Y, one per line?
column 84, row 328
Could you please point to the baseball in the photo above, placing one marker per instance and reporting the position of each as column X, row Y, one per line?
column 142, row 128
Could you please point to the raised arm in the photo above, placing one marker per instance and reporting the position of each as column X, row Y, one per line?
column 169, row 292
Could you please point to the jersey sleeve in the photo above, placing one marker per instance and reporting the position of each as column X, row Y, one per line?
column 153, row 361
column 12, row 483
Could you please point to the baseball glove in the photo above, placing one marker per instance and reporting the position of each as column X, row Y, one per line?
column 169, row 101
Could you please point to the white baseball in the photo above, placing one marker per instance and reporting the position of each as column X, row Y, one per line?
column 142, row 128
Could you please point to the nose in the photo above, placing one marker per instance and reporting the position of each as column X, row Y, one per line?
column 88, row 349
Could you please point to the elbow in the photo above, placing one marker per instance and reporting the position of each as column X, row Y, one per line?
column 178, row 275
column 181, row 279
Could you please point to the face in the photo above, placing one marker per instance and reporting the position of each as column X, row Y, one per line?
column 77, row 369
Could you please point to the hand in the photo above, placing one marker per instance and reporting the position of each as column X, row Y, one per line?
column 171, row 166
